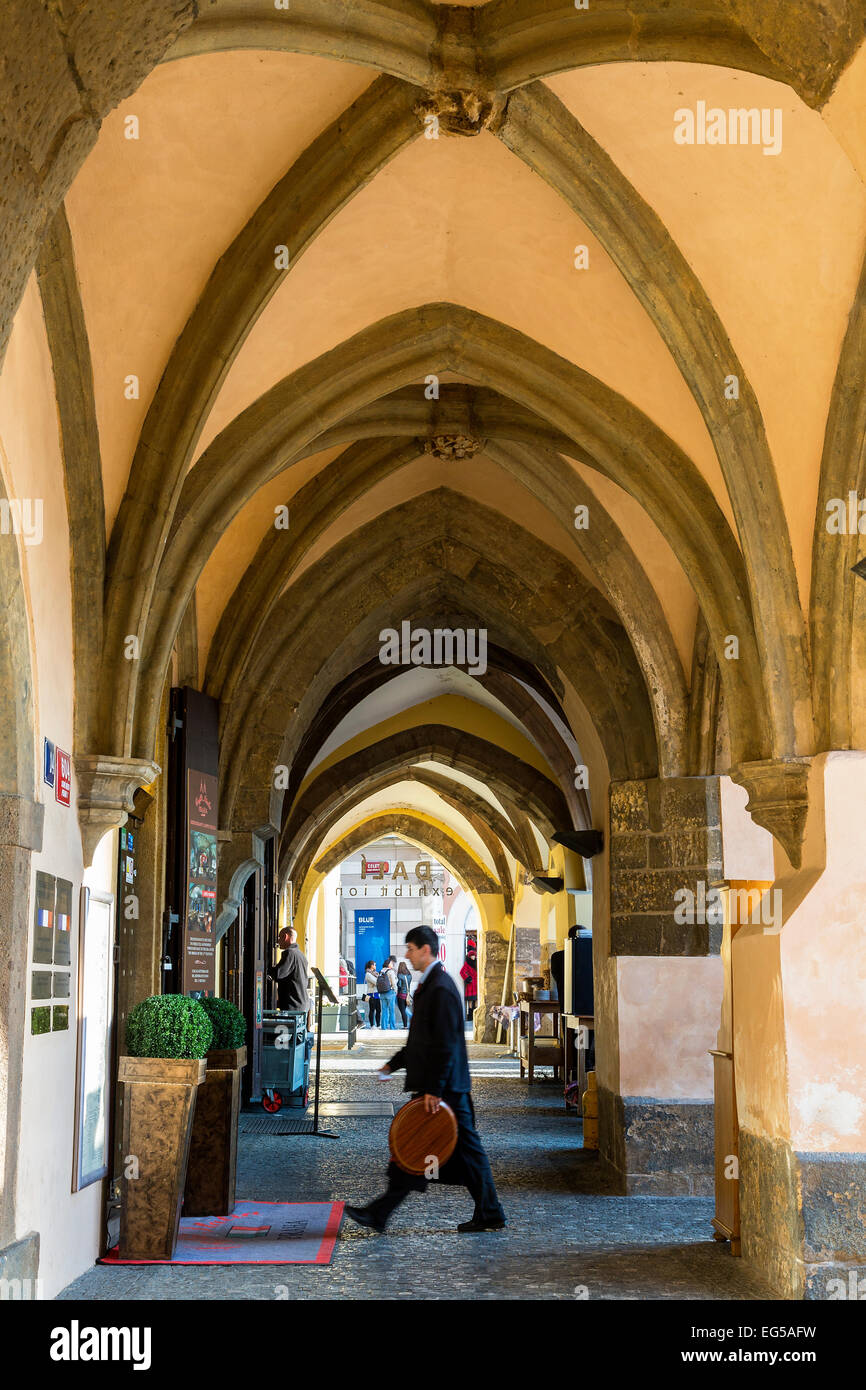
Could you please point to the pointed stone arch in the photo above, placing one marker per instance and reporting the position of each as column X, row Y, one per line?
column 434, row 838
column 605, row 431
column 332, row 788
column 838, row 598
column 511, row 681
column 548, row 477
column 506, row 43
column 542, row 131
column 321, row 181
column 332, row 618
column 495, row 830
column 68, row 343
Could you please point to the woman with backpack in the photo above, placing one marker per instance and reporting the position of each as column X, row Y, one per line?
column 404, row 979
column 386, row 984
column 374, row 1005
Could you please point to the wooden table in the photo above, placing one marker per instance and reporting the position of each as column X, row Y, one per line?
column 540, row 1052
column 576, row 1029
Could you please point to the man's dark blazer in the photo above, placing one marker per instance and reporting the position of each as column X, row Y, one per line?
column 435, row 1052
column 291, row 976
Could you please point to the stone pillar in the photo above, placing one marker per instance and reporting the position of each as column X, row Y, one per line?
column 140, row 932
column 661, row 981
column 800, row 1051
column 656, row 1127
column 492, row 961
column 665, row 839
column 527, row 953
column 20, row 835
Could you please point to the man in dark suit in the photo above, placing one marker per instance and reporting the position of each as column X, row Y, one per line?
column 437, row 1068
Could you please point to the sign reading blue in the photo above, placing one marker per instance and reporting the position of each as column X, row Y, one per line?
column 372, row 937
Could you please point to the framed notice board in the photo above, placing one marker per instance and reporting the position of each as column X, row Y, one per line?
column 95, row 1022
column 52, row 946
column 191, row 854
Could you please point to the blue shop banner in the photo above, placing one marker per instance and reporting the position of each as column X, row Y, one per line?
column 372, row 937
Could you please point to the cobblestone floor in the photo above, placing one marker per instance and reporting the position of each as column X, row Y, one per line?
column 568, row 1235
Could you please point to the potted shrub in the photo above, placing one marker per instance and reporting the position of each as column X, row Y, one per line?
column 166, row 1038
column 213, row 1153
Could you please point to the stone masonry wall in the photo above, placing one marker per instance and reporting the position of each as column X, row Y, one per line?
column 665, row 835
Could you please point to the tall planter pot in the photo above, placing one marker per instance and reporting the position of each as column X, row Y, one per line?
column 158, row 1106
column 213, row 1153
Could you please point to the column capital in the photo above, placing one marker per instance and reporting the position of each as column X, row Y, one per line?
column 778, row 799
column 106, row 788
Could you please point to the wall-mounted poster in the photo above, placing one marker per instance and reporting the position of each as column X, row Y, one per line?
column 95, row 998
column 43, row 923
column 52, row 937
column 199, row 959
column 372, row 936
column 40, row 984
column 63, row 922
column 203, row 856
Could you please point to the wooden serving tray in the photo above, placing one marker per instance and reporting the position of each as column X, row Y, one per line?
column 416, row 1138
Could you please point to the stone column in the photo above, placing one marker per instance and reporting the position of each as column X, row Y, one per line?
column 800, row 1049
column 139, row 915
column 492, row 961
column 662, row 984
column 20, row 835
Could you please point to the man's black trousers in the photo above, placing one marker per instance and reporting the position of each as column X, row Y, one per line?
column 468, row 1166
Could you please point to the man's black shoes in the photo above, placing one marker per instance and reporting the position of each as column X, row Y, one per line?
column 471, row 1227
column 364, row 1217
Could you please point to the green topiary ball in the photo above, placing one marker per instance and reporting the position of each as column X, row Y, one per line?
column 168, row 1025
column 229, row 1024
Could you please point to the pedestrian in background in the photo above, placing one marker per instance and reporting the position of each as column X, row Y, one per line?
column 386, row 984
column 374, row 1006
column 469, row 976
column 404, row 980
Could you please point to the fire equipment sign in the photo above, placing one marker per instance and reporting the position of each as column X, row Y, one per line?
column 63, row 785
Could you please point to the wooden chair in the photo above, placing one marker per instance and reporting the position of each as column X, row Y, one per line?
column 538, row 1051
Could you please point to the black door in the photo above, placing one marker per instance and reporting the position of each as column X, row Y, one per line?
column 253, row 985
